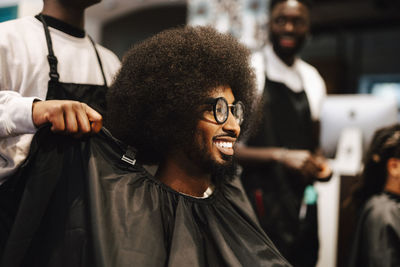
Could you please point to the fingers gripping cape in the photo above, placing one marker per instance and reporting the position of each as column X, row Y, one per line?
column 76, row 203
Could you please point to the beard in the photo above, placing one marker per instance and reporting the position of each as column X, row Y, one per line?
column 220, row 171
column 223, row 173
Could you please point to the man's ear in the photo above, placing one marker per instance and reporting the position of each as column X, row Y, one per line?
column 393, row 167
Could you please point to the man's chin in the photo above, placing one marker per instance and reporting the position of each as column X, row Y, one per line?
column 285, row 51
column 222, row 167
column 224, row 171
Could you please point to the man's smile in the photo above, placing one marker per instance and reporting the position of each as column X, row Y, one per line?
column 224, row 145
column 287, row 41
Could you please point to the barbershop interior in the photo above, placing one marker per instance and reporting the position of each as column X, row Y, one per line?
column 352, row 44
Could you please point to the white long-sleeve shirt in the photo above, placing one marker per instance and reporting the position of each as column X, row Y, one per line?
column 24, row 75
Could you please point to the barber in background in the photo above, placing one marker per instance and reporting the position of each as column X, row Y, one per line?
column 50, row 57
column 377, row 238
column 279, row 159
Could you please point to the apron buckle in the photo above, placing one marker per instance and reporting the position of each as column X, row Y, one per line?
column 53, row 75
column 53, row 67
column 130, row 156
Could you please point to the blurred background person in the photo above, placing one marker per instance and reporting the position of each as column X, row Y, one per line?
column 49, row 57
column 280, row 161
column 377, row 237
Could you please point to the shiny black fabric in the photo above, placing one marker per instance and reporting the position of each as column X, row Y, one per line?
column 91, row 94
column 377, row 237
column 276, row 192
column 81, row 205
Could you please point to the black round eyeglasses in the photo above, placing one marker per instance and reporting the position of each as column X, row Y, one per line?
column 221, row 110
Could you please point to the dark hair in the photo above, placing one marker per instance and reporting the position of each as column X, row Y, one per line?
column 273, row 3
column 385, row 144
column 154, row 101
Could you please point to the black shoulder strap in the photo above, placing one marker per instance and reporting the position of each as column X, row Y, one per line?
column 99, row 60
column 50, row 57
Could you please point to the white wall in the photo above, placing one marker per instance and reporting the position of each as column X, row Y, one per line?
column 328, row 211
column 6, row 3
column 29, row 7
column 347, row 162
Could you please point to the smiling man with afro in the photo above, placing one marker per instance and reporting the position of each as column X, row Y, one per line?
column 180, row 100
column 153, row 103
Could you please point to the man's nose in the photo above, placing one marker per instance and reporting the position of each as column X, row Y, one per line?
column 231, row 125
column 289, row 26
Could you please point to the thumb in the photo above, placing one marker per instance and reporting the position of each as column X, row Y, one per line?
column 95, row 118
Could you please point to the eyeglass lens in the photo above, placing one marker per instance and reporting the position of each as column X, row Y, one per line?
column 238, row 112
column 221, row 110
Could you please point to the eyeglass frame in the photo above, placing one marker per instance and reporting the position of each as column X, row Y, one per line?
column 214, row 101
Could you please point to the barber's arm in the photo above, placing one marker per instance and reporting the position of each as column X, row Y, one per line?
column 22, row 115
column 15, row 114
column 303, row 161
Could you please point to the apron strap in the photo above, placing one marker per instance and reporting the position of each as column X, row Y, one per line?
column 99, row 60
column 50, row 57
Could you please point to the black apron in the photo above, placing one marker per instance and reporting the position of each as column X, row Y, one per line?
column 91, row 94
column 276, row 192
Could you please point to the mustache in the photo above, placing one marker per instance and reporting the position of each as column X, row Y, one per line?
column 227, row 134
column 288, row 35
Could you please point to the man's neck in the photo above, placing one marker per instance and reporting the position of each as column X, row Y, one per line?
column 179, row 174
column 72, row 16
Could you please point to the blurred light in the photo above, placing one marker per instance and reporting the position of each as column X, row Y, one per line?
column 388, row 90
column 109, row 4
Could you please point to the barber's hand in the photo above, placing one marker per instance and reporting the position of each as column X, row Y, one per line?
column 325, row 173
column 304, row 162
column 66, row 116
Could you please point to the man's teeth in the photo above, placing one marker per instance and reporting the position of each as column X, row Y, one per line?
column 224, row 144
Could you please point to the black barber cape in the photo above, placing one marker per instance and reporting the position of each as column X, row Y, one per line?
column 79, row 204
column 377, row 238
